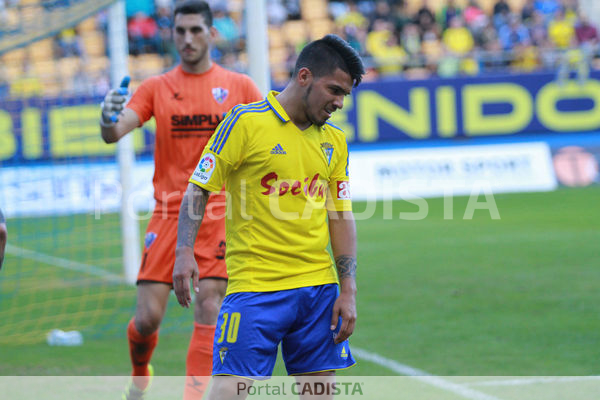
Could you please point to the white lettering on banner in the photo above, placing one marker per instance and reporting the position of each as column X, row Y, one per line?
column 439, row 171
column 343, row 190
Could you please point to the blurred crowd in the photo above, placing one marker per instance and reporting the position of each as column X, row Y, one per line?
column 396, row 39
column 542, row 34
column 406, row 38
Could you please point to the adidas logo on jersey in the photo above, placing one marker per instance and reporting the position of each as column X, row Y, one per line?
column 278, row 150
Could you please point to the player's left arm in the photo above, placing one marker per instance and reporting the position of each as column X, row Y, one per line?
column 342, row 232
column 3, row 234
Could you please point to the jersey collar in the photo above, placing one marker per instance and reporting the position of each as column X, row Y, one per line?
column 276, row 107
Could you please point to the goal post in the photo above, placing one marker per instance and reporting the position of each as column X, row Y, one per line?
column 258, row 44
column 130, row 230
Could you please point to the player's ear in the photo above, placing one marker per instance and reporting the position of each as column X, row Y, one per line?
column 304, row 76
column 214, row 33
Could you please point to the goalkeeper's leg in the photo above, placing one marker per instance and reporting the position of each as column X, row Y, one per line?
column 200, row 353
column 142, row 331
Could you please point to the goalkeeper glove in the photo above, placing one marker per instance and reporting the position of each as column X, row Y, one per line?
column 113, row 104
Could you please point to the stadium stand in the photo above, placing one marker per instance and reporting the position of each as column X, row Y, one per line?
column 413, row 38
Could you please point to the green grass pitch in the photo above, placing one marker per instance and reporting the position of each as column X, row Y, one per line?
column 514, row 296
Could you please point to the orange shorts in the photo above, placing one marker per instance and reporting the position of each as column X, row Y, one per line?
column 158, row 258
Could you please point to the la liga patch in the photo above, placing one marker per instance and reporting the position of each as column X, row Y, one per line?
column 205, row 168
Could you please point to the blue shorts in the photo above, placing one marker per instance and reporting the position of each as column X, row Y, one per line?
column 252, row 324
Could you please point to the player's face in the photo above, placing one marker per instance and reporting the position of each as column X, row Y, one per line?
column 193, row 38
column 325, row 95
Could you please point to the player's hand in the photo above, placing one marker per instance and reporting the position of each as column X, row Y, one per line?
column 185, row 269
column 345, row 307
column 114, row 102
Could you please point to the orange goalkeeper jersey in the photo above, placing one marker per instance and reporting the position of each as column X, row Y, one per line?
column 187, row 109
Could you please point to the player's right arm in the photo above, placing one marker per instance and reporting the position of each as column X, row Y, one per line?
column 3, row 235
column 191, row 213
column 128, row 121
column 116, row 120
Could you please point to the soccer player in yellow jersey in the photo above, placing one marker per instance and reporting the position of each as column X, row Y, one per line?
column 286, row 171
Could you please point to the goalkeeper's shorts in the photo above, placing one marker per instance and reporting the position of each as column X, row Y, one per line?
column 158, row 258
column 252, row 324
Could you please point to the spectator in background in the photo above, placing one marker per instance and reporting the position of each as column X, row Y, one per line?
column 561, row 31
column 474, row 15
column 571, row 8
column 383, row 45
column 587, row 38
column 411, row 40
column 276, row 12
column 143, row 34
column 355, row 36
column 527, row 11
column 352, row 17
column 293, row 9
column 459, row 42
column 425, row 19
column 547, row 8
column 561, row 35
column 353, row 27
column 132, row 7
column 165, row 26
column 382, row 11
column 501, row 13
column 432, row 49
column 229, row 34
column 491, row 58
column 514, row 34
column 457, row 38
column 448, row 12
column 68, row 43
column 537, row 30
column 586, row 33
column 401, row 16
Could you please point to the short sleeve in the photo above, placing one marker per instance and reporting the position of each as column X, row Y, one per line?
column 338, row 198
column 142, row 100
column 222, row 154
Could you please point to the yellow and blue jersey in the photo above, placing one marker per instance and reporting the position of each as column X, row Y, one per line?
column 281, row 181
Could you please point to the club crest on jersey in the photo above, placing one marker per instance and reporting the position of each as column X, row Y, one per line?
column 205, row 168
column 220, row 94
column 149, row 239
column 222, row 354
column 328, row 151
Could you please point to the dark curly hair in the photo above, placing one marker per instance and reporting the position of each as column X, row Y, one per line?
column 324, row 56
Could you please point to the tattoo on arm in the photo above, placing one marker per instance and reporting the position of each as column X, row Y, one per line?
column 346, row 266
column 191, row 214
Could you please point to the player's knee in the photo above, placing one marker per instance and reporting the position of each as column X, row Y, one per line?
column 207, row 309
column 147, row 323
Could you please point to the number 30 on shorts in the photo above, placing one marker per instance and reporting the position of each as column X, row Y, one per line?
column 232, row 330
